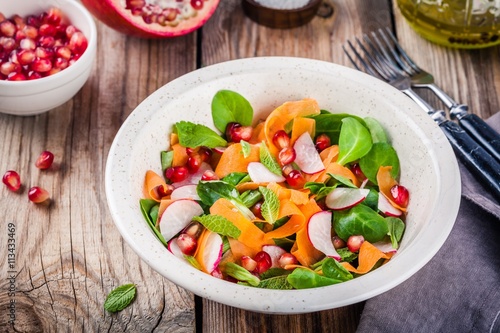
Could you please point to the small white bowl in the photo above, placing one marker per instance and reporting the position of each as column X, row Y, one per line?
column 33, row 97
column 428, row 169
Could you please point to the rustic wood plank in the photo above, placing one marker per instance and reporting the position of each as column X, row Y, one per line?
column 230, row 35
column 69, row 255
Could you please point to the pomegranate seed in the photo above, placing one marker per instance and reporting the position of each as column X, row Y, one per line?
column 356, row 170
column 61, row 63
column 47, row 41
column 235, row 132
column 33, row 21
column 177, row 173
column 16, row 77
column 287, row 156
column 54, row 16
column 20, row 35
column 9, row 67
column 7, row 28
column 400, row 195
column 295, row 178
column 38, row 195
column 248, row 263
column 281, row 139
column 264, row 262
column 25, row 57
column 30, row 32
column 192, row 151
column 27, row 44
column 257, row 211
column 70, row 30
column 187, row 244
column 34, row 75
column 322, row 142
column 47, row 30
column 18, row 21
column 12, row 180
column 338, row 242
column 217, row 273
column 7, row 43
column 193, row 163
column 205, row 153
column 78, row 43
column 163, row 192
column 64, row 52
column 197, row 4
column 194, row 229
column 209, row 175
column 287, row 259
column 44, row 53
column 45, row 160
column 354, row 242
column 41, row 65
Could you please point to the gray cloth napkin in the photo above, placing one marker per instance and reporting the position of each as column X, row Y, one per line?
column 459, row 289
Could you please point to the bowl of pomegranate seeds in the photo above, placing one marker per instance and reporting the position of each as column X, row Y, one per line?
column 282, row 185
column 47, row 50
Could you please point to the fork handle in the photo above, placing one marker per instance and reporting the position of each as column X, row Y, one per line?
column 483, row 133
column 474, row 157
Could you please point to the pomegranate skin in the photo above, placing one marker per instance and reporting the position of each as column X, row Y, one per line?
column 116, row 16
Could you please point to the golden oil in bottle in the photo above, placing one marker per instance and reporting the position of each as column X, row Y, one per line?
column 455, row 23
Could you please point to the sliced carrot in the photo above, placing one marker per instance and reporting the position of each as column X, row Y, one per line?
column 238, row 250
column 174, row 138
column 278, row 119
column 180, row 156
column 302, row 125
column 233, row 160
column 258, row 134
column 385, row 183
column 303, row 250
column 249, row 186
column 329, row 155
column 336, row 169
column 200, row 249
column 368, row 256
column 151, row 183
column 298, row 197
column 294, row 224
column 250, row 235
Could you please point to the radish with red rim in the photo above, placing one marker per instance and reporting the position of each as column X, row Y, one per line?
column 344, row 197
column 177, row 216
column 319, row 230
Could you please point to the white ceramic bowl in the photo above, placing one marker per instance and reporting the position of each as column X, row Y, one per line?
column 428, row 168
column 37, row 96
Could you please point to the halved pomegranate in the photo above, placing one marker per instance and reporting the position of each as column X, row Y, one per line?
column 152, row 18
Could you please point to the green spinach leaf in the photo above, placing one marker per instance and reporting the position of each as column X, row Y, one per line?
column 360, row 220
column 195, row 135
column 331, row 123
column 332, row 269
column 354, row 142
column 381, row 154
column 228, row 107
column 376, row 130
column 396, row 229
column 303, row 278
column 150, row 214
column 235, row 178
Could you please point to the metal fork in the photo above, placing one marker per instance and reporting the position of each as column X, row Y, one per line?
column 373, row 58
column 472, row 124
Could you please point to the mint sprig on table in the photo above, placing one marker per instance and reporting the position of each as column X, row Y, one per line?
column 120, row 297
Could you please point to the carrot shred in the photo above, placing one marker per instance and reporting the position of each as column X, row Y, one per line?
column 257, row 134
column 302, row 125
column 238, row 250
column 249, row 186
column 368, row 256
column 385, row 183
column 336, row 169
column 283, row 114
column 233, row 160
column 298, row 197
column 294, row 224
column 180, row 156
column 174, row 138
column 152, row 181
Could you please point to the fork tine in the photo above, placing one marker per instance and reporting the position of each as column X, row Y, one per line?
column 374, row 59
column 385, row 57
column 402, row 52
column 368, row 68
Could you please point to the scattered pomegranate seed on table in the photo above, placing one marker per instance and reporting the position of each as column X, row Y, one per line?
column 38, row 45
column 45, row 160
column 12, row 180
column 38, row 195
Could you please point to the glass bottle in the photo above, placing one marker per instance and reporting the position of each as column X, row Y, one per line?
column 455, row 23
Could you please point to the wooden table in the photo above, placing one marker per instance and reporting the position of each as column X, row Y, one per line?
column 70, row 255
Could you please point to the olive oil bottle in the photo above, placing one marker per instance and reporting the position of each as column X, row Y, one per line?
column 455, row 23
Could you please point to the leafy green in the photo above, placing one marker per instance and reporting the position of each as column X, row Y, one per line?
column 321, row 190
column 228, row 107
column 241, row 274
column 274, row 272
column 219, row 224
column 250, row 197
column 381, row 154
column 277, row 282
column 195, row 135
column 120, row 297
column 360, row 220
column 376, row 130
column 371, row 199
column 332, row 269
column 268, row 159
column 346, row 255
column 149, row 211
column 396, row 229
column 246, row 149
column 354, row 141
column 271, row 205
column 192, row 260
column 303, row 278
column 342, row 180
column 211, row 191
column 166, row 159
column 331, row 123
column 235, row 178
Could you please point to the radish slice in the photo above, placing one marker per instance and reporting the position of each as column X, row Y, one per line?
column 345, row 197
column 319, row 229
column 195, row 177
column 175, row 249
column 185, row 192
column 260, row 174
column 385, row 247
column 212, row 253
column 308, row 158
column 177, row 216
column 386, row 208
column 275, row 252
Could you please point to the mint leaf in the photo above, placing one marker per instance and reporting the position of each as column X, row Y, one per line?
column 195, row 135
column 268, row 159
column 245, row 148
column 277, row 282
column 271, row 205
column 228, row 107
column 219, row 224
column 240, row 274
column 119, row 298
